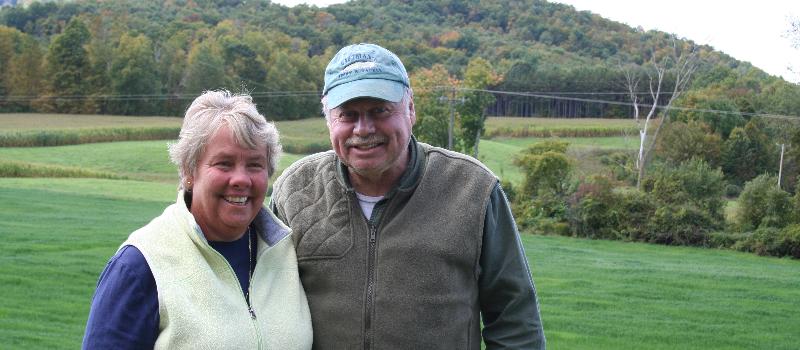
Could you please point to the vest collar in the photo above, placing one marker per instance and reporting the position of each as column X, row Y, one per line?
column 265, row 224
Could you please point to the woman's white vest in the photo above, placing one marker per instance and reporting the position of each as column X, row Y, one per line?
column 201, row 304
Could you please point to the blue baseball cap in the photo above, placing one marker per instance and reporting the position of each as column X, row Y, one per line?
column 364, row 70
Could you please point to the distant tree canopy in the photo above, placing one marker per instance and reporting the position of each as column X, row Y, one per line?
column 153, row 57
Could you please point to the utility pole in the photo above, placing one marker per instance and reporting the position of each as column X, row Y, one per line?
column 452, row 119
column 452, row 100
column 780, row 167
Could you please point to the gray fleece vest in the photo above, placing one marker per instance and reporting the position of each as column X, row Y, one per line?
column 408, row 279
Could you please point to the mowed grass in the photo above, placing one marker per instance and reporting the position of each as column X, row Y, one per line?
column 616, row 295
column 59, row 233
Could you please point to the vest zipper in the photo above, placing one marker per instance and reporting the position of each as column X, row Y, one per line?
column 370, row 285
column 245, row 296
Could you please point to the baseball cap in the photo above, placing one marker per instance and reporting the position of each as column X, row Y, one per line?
column 364, row 70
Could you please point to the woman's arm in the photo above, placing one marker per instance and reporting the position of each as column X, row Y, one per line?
column 124, row 311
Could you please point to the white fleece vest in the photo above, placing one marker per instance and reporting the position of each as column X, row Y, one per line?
column 201, row 304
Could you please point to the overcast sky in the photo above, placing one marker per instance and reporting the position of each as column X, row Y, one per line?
column 752, row 31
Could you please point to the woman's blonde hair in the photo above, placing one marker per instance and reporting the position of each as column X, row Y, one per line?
column 213, row 110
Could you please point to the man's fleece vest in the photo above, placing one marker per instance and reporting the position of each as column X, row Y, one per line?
column 201, row 304
column 425, row 260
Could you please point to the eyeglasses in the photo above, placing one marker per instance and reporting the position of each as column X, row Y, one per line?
column 353, row 115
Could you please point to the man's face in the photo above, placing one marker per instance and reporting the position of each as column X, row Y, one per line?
column 371, row 136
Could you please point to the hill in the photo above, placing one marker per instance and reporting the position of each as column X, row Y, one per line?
column 151, row 57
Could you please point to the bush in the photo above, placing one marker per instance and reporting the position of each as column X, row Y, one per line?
column 693, row 182
column 788, row 242
column 594, row 212
column 763, row 204
column 725, row 240
column 621, row 165
column 680, row 225
column 732, row 190
column 764, row 241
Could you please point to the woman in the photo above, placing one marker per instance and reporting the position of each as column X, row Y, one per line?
column 215, row 270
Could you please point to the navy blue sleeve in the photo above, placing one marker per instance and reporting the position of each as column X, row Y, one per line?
column 124, row 311
column 509, row 306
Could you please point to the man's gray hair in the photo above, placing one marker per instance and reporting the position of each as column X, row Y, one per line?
column 407, row 96
column 211, row 111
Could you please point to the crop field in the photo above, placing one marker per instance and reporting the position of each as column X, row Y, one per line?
column 38, row 121
column 59, row 228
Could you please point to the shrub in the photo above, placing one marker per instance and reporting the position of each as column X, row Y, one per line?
column 593, row 209
column 724, row 240
column 732, row 190
column 762, row 203
column 788, row 242
column 680, row 225
column 693, row 182
column 621, row 165
column 763, row 241
column 547, row 168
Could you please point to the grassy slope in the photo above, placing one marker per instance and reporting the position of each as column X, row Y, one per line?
column 593, row 294
column 614, row 295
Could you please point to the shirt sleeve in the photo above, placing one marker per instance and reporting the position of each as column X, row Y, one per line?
column 509, row 306
column 124, row 311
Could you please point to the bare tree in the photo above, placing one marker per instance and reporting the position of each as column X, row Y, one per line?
column 678, row 63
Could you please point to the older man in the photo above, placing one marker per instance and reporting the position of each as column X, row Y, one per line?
column 401, row 245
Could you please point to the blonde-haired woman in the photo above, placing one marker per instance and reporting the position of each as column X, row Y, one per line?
column 215, row 269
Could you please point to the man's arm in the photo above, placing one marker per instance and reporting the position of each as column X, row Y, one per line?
column 508, row 301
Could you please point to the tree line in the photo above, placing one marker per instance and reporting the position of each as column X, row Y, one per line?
column 151, row 57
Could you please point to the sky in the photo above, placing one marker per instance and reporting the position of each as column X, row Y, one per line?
column 752, row 31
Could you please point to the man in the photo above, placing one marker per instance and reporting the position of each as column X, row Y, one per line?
column 401, row 245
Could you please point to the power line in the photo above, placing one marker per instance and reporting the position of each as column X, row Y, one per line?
column 314, row 93
column 630, row 104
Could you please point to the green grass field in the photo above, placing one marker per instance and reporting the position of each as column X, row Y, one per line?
column 59, row 233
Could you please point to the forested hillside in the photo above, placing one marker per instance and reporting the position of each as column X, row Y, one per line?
column 150, row 57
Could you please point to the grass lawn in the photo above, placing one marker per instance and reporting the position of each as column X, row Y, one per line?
column 59, row 233
column 616, row 295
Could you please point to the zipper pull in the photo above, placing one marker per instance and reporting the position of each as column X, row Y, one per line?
column 252, row 313
column 372, row 234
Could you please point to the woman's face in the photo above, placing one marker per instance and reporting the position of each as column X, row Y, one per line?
column 228, row 186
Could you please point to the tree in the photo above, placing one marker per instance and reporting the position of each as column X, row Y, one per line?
column 748, row 152
column 681, row 142
column 24, row 75
column 430, row 85
column 478, row 76
column 132, row 75
column 679, row 63
column 68, row 70
column 206, row 68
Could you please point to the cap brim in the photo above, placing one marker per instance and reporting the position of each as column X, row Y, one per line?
column 387, row 90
